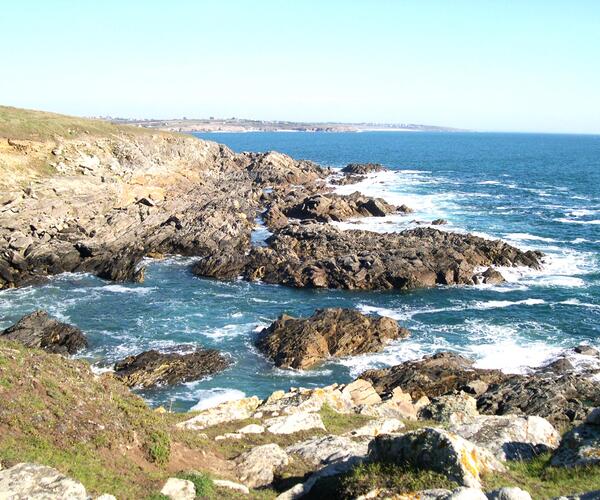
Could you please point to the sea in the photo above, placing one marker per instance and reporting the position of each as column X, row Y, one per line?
column 533, row 191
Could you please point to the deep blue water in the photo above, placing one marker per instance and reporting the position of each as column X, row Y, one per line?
column 534, row 191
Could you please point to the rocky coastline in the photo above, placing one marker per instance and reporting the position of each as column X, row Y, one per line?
column 104, row 202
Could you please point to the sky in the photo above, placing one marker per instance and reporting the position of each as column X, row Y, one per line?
column 484, row 65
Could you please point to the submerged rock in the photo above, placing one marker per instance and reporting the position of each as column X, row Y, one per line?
column 39, row 330
column 303, row 342
column 152, row 368
column 437, row 450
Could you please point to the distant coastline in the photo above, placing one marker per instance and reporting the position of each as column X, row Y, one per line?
column 244, row 125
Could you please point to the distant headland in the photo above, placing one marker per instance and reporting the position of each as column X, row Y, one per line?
column 213, row 124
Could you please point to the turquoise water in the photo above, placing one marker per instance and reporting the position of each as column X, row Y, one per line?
column 534, row 191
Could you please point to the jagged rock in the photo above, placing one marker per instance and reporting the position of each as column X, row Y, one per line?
column 38, row 482
column 490, row 277
column 363, row 168
column 559, row 398
column 335, row 207
column 307, row 400
column 431, row 376
column 324, row 450
column 39, row 330
column 587, row 350
column 302, row 342
column 390, row 409
column 179, row 489
column 228, row 411
column 507, row 493
column 257, row 467
column 436, row 450
column 510, row 437
column 362, row 392
column 295, row 422
column 452, row 409
column 581, row 445
column 377, row 427
column 152, row 368
column 439, row 222
column 324, row 256
column 475, row 387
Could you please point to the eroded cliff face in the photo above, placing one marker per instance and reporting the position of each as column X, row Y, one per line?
column 112, row 200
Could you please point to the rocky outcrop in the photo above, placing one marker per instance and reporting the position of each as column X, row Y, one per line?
column 296, row 422
column 581, row 445
column 303, row 342
column 257, row 467
column 510, row 437
column 437, row 450
column 323, row 256
column 451, row 409
column 363, row 168
column 153, row 368
column 39, row 330
column 228, row 411
column 334, row 207
column 431, row 376
column 33, row 481
column 321, row 451
column 559, row 397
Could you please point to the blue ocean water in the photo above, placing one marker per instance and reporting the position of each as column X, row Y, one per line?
column 534, row 191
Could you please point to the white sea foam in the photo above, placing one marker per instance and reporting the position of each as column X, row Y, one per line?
column 577, row 302
column 127, row 289
column 527, row 237
column 566, row 220
column 489, row 182
column 209, row 398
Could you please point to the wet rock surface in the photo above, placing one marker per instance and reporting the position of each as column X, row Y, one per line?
column 303, row 342
column 39, row 330
column 323, row 256
column 363, row 168
column 153, row 368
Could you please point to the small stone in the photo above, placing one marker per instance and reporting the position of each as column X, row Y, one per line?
column 294, row 423
column 508, row 493
column 179, row 489
column 223, row 483
column 252, row 429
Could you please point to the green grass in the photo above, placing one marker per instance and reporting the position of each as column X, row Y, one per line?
column 25, row 124
column 159, row 447
column 365, row 477
column 339, row 423
column 545, row 481
column 202, row 482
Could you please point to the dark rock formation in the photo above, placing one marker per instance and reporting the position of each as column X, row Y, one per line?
column 153, row 368
column 303, row 342
column 439, row 222
column 323, row 256
column 363, row 168
column 38, row 330
column 332, row 207
column 431, row 376
column 555, row 395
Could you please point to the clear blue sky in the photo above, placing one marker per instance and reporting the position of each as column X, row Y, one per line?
column 487, row 65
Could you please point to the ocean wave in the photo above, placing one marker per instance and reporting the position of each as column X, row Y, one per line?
column 126, row 289
column 566, row 220
column 527, row 237
column 209, row 398
column 577, row 302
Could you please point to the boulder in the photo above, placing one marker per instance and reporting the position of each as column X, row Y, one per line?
column 587, row 350
column 451, row 409
column 152, row 368
column 363, row 168
column 257, row 467
column 38, row 482
column 39, row 330
column 179, row 489
column 302, row 342
column 296, row 422
column 581, row 445
column 510, row 437
column 229, row 411
column 324, row 450
column 390, row 409
column 362, row 392
column 230, row 485
column 508, row 493
column 437, row 450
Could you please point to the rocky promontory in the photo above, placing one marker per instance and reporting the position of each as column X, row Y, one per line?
column 303, row 342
